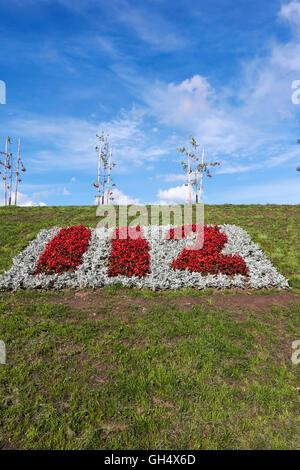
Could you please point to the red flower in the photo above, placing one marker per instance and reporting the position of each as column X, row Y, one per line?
column 129, row 253
column 64, row 252
column 209, row 258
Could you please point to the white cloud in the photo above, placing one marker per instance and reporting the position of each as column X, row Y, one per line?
column 65, row 136
column 170, row 178
column 257, row 124
column 176, row 103
column 280, row 192
column 151, row 27
column 73, row 140
column 24, row 200
column 121, row 199
column 291, row 13
column 175, row 195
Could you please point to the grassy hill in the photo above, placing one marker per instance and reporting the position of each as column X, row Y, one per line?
column 117, row 368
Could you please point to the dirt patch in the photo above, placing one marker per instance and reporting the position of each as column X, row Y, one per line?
column 256, row 302
column 241, row 301
column 81, row 300
column 237, row 301
column 94, row 300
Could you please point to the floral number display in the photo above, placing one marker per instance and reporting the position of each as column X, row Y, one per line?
column 129, row 256
column 209, row 258
column 161, row 257
column 64, row 252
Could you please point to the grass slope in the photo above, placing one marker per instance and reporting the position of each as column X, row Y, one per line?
column 118, row 369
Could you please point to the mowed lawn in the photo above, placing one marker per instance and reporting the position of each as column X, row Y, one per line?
column 120, row 368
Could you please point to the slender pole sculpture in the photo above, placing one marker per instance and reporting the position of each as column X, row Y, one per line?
column 98, row 180
column 189, row 175
column 104, row 181
column 17, row 174
column 108, row 178
column 5, row 164
column 11, row 177
column 196, row 186
column 201, row 176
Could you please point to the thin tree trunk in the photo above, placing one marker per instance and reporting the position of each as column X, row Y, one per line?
column 189, row 175
column 196, row 186
column 17, row 174
column 11, row 178
column 5, row 163
column 201, row 177
column 98, row 180
column 108, row 178
column 104, row 173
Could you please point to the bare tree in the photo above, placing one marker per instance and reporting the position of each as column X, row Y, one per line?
column 98, row 149
column 17, row 174
column 6, row 166
column 9, row 172
column 186, row 165
column 194, row 168
column 104, row 162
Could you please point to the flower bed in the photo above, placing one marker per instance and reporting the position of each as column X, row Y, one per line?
column 209, row 258
column 64, row 252
column 129, row 256
column 158, row 258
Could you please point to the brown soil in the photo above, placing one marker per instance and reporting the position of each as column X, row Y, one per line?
column 93, row 300
column 241, row 301
column 237, row 301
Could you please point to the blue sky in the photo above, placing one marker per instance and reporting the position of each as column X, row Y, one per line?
column 150, row 73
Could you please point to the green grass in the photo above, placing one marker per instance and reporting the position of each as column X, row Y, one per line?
column 126, row 369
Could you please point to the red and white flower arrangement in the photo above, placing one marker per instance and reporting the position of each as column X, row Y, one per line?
column 64, row 252
column 156, row 257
